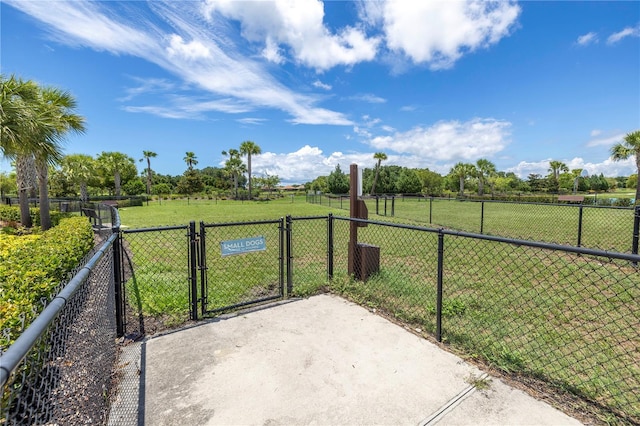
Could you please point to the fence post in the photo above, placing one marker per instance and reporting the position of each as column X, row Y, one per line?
column 117, row 275
column 439, row 290
column 580, row 226
column 204, row 290
column 385, row 205
column 288, row 233
column 330, row 247
column 393, row 205
column 193, row 270
column 482, row 217
column 377, row 206
column 636, row 232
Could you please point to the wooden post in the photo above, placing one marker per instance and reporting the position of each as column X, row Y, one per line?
column 353, row 213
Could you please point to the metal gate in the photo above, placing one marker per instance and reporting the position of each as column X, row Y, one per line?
column 240, row 264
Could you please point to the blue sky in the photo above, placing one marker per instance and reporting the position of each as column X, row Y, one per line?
column 318, row 84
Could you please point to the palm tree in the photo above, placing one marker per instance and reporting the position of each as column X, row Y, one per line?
column 234, row 167
column 380, row 156
column 148, row 155
column 576, row 173
column 56, row 109
column 249, row 148
column 555, row 167
column 34, row 121
column 485, row 169
column 191, row 160
column 114, row 163
column 462, row 171
column 80, row 168
column 18, row 121
column 625, row 149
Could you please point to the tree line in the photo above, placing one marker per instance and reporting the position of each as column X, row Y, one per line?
column 481, row 178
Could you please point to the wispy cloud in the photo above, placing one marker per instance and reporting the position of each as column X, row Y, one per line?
column 586, row 39
column 251, row 120
column 368, row 97
column 608, row 141
column 185, row 45
column 627, row 32
column 321, row 85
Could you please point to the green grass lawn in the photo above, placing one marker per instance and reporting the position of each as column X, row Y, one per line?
column 181, row 212
column 570, row 320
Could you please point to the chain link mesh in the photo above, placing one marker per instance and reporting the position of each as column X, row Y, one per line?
column 156, row 279
column 246, row 277
column 571, row 320
column 569, row 224
column 66, row 377
column 309, row 255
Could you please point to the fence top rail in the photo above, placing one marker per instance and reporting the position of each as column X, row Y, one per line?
column 307, row 217
column 257, row 222
column 20, row 348
column 512, row 241
column 154, row 229
column 532, row 203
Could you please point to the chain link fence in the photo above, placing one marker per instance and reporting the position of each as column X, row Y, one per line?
column 565, row 316
column 600, row 227
column 59, row 371
column 155, row 277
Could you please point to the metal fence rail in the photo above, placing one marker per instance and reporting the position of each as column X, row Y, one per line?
column 565, row 315
column 59, row 370
column 602, row 227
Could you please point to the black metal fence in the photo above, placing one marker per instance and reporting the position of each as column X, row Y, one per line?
column 566, row 317
column 59, row 371
column 601, row 227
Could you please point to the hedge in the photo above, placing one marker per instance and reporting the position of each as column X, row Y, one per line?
column 33, row 266
column 11, row 214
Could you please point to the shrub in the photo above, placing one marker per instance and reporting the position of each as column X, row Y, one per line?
column 33, row 266
column 11, row 214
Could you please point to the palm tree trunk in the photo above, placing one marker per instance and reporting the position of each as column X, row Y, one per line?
column 375, row 179
column 235, row 185
column 148, row 176
column 42, row 169
column 23, row 164
column 116, row 182
column 249, row 169
column 481, row 186
column 461, row 186
column 84, row 192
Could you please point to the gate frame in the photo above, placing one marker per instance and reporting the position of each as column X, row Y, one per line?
column 198, row 251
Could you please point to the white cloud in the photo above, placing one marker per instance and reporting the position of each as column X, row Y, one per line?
column 147, row 86
column 178, row 49
column 608, row 167
column 440, row 32
column 449, row 140
column 595, row 132
column 608, row 141
column 299, row 26
column 321, row 85
column 368, row 97
column 271, row 52
column 627, row 32
column 192, row 49
column 587, row 39
column 305, row 164
column 251, row 120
